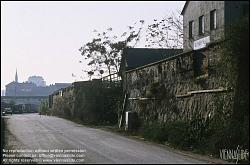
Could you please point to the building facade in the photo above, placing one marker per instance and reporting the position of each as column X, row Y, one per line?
column 206, row 22
column 188, row 85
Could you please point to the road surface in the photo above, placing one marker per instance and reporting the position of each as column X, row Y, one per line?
column 47, row 132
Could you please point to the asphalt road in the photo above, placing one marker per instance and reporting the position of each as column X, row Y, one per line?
column 46, row 132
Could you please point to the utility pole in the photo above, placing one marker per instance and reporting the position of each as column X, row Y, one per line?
column 16, row 81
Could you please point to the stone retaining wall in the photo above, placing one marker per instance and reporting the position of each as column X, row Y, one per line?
column 179, row 88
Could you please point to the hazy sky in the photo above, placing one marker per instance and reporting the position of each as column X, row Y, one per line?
column 43, row 38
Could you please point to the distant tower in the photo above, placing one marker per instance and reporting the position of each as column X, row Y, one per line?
column 16, row 77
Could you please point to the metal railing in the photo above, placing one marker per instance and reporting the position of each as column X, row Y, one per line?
column 112, row 79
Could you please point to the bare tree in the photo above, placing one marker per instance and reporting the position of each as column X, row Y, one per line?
column 166, row 32
column 104, row 51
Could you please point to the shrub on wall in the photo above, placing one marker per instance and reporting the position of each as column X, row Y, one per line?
column 96, row 104
column 177, row 133
column 44, row 108
column 57, row 106
column 234, row 65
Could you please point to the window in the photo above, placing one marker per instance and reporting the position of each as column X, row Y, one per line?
column 191, row 28
column 61, row 93
column 213, row 24
column 201, row 25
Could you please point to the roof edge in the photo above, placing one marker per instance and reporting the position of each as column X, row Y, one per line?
column 160, row 61
column 184, row 8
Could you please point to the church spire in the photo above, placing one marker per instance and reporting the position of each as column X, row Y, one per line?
column 16, row 77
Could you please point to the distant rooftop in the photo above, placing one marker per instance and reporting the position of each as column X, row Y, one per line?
column 35, row 76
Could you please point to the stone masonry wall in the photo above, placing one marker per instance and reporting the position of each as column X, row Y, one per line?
column 159, row 92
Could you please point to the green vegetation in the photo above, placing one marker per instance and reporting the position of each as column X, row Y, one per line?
column 174, row 133
column 234, row 64
column 44, row 108
column 229, row 126
column 97, row 104
column 104, row 51
column 91, row 103
column 226, row 129
column 12, row 104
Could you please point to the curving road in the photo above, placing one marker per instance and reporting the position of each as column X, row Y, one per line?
column 46, row 132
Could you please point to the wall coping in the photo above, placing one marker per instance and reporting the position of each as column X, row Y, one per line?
column 176, row 56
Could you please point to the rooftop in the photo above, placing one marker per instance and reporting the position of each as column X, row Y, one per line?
column 136, row 57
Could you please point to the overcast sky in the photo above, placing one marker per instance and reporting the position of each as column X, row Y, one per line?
column 43, row 38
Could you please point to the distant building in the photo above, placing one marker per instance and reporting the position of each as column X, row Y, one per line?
column 2, row 92
column 35, row 86
column 16, row 77
column 38, row 80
